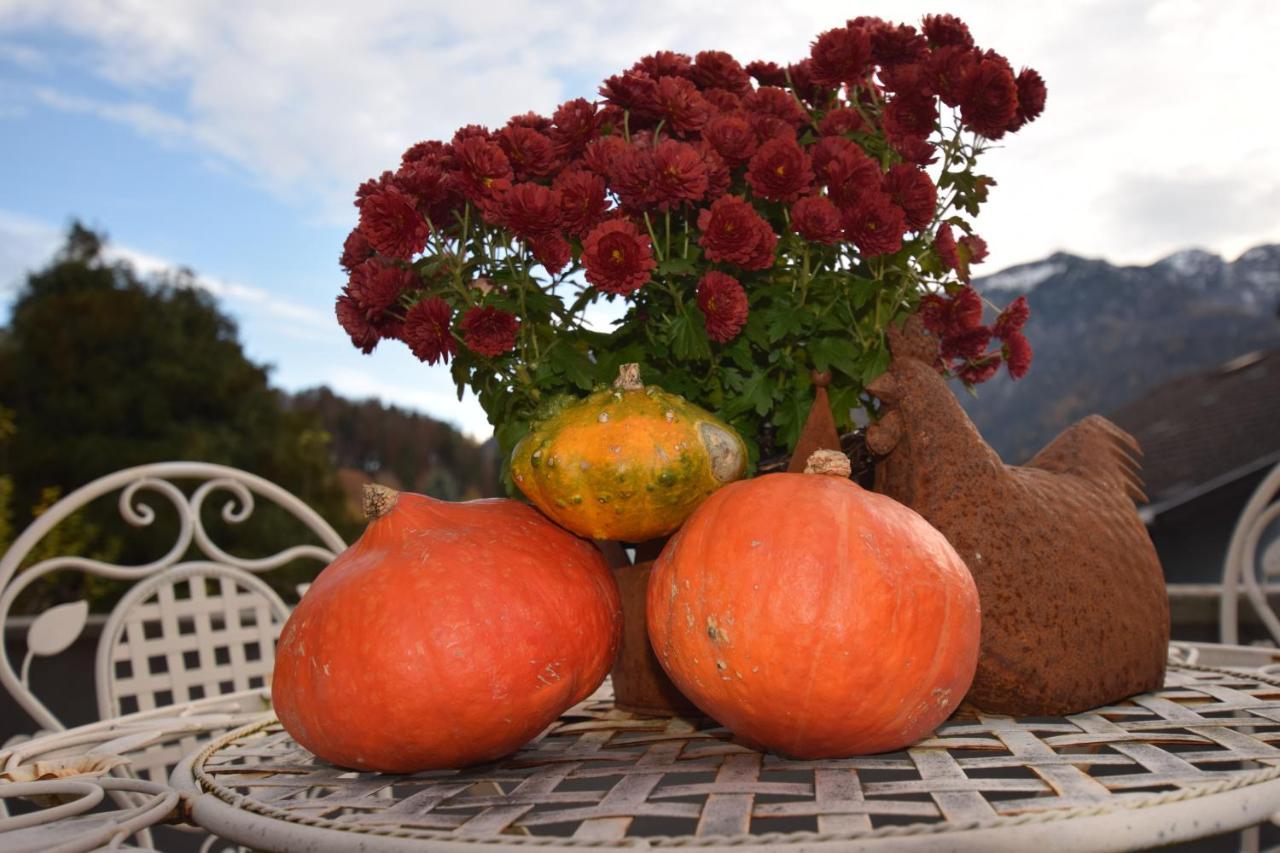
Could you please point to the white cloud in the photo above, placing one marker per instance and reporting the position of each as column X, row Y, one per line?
column 360, row 384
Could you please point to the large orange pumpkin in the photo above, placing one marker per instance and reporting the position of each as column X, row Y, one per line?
column 814, row 618
column 449, row 634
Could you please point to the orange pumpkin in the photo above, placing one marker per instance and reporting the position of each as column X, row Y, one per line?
column 449, row 634
column 814, row 618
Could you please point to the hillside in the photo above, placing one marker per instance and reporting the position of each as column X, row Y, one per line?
column 1105, row 334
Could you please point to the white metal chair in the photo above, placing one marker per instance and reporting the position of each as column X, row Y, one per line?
column 189, row 629
column 1252, row 561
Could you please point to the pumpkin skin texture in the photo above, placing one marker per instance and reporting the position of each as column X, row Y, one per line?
column 814, row 618
column 626, row 463
column 449, row 634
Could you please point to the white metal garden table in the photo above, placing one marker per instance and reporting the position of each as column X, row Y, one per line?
column 1199, row 757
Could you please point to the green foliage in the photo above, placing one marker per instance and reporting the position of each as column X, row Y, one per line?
column 102, row 370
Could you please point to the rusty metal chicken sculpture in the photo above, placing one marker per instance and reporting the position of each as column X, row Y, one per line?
column 1074, row 608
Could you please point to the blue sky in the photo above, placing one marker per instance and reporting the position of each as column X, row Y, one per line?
column 228, row 137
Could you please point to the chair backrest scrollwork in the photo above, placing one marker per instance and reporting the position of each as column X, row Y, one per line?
column 1253, row 559
column 189, row 628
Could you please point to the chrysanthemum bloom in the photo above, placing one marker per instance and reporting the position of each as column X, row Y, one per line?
column 552, row 251
column 1012, row 318
column 355, row 323
column 678, row 103
column 845, row 169
column 355, row 250
column 950, row 69
column 573, row 125
column 912, row 189
column 767, row 73
column 966, row 344
column 583, row 203
column 489, row 331
column 430, row 151
column 391, row 223
column 991, row 101
column 817, row 220
column 375, row 286
column 718, row 174
column 679, row 174
column 840, row 121
column 471, row 131
column 948, row 316
column 874, row 224
column 631, row 177
column 630, row 91
column 426, row 330
column 722, row 101
column 780, row 171
column 943, row 30
column 1017, row 354
column 734, row 232
column 480, row 168
column 724, row 303
column 732, row 137
column 910, row 114
column 944, row 245
column 600, row 153
column 665, row 63
column 530, row 210
column 980, row 370
column 1031, row 97
column 779, row 103
column 617, row 258
column 973, row 248
column 896, row 45
column 715, row 69
column 842, row 55
column 530, row 153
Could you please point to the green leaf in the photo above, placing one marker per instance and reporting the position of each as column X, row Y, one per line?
column 675, row 267
column 875, row 364
column 689, row 335
column 783, row 323
column 835, row 352
column 575, row 365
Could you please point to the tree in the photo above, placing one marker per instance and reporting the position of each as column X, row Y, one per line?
column 103, row 370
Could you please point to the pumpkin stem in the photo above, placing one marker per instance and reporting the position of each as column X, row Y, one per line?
column 628, row 378
column 831, row 462
column 378, row 500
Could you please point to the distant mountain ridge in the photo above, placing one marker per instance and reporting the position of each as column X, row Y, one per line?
column 1104, row 334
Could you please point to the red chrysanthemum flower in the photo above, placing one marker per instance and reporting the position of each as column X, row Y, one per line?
column 617, row 258
column 950, row 70
column 376, row 286
column 552, row 251
column 874, row 224
column 529, row 152
column 913, row 79
column 678, row 103
column 734, row 232
column 679, row 174
column 573, row 125
column 721, row 101
column 991, row 99
column 1012, row 318
column 631, row 176
column 352, row 319
column 954, row 315
column 489, row 331
column 897, row 45
column 471, row 131
column 842, row 55
column 732, row 136
column 801, row 74
column 1017, row 354
column 718, row 175
column 632, row 91
column 816, row 219
column 531, row 120
column 715, row 69
column 966, row 344
column 664, row 63
column 480, row 168
column 910, row 115
column 600, row 153
column 430, row 151
column 425, row 180
column 767, row 73
column 979, row 371
column 427, row 330
column 840, row 121
column 1031, row 97
column 780, row 170
column 778, row 103
column 724, row 304
column 355, row 250
column 912, row 189
column 583, row 203
column 973, row 249
column 390, row 221
column 944, row 245
column 943, row 30
column 845, row 169
column 770, row 127
column 530, row 210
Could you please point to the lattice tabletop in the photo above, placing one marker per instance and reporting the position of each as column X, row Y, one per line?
column 1200, row 756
